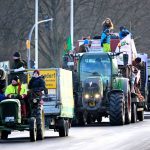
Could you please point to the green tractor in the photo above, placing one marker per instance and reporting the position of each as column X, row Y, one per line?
column 11, row 118
column 104, row 91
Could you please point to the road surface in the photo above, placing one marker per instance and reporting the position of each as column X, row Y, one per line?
column 95, row 137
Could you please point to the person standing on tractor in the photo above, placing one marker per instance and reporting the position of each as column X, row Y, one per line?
column 105, row 40
column 123, row 32
column 19, row 66
column 135, row 80
column 107, row 24
column 84, row 47
column 16, row 90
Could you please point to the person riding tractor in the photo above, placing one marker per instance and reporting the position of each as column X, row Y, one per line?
column 36, row 83
column 16, row 90
column 36, row 86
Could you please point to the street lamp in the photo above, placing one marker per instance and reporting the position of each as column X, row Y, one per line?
column 36, row 32
column 28, row 42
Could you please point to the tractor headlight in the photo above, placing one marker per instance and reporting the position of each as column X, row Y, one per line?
column 86, row 96
column 96, row 96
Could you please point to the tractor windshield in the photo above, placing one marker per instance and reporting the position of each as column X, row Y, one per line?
column 95, row 65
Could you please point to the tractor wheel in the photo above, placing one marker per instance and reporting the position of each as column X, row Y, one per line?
column 4, row 135
column 117, row 109
column 140, row 115
column 74, row 122
column 40, row 123
column 133, row 113
column 81, row 119
column 99, row 119
column 64, row 128
column 128, row 109
column 33, row 129
column 89, row 119
column 67, row 127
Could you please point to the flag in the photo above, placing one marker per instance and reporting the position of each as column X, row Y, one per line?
column 127, row 46
column 67, row 45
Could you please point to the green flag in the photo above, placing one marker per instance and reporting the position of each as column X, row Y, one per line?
column 67, row 45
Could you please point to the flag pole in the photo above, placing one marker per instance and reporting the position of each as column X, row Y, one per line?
column 71, row 21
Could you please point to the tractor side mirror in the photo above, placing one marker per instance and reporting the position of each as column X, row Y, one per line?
column 125, row 59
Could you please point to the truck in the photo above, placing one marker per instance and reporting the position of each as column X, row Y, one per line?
column 55, row 113
column 104, row 87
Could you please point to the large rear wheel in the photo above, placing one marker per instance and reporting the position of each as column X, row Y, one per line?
column 4, row 135
column 64, row 128
column 133, row 113
column 33, row 129
column 40, row 123
column 117, row 109
column 128, row 109
column 140, row 115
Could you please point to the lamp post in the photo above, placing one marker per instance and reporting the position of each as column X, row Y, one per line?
column 28, row 42
column 36, row 33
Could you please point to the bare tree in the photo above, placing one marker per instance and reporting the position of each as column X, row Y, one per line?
column 17, row 18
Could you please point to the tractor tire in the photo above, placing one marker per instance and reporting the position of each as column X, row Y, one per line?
column 89, row 119
column 81, row 119
column 64, row 128
column 128, row 109
column 74, row 122
column 99, row 119
column 133, row 113
column 140, row 115
column 117, row 109
column 33, row 129
column 40, row 122
column 4, row 135
column 67, row 127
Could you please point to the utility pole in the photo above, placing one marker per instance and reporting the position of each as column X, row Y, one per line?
column 36, row 34
column 71, row 21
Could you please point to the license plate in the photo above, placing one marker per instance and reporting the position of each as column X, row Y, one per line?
column 91, row 104
column 9, row 119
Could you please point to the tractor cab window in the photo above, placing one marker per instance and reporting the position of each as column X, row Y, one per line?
column 95, row 65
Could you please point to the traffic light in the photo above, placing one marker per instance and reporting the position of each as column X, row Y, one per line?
column 28, row 44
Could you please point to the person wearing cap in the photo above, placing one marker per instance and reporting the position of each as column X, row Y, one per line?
column 18, row 67
column 16, row 90
column 123, row 32
column 18, row 64
column 37, row 82
column 105, row 40
column 84, row 47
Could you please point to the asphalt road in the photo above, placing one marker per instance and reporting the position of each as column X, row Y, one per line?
column 95, row 137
